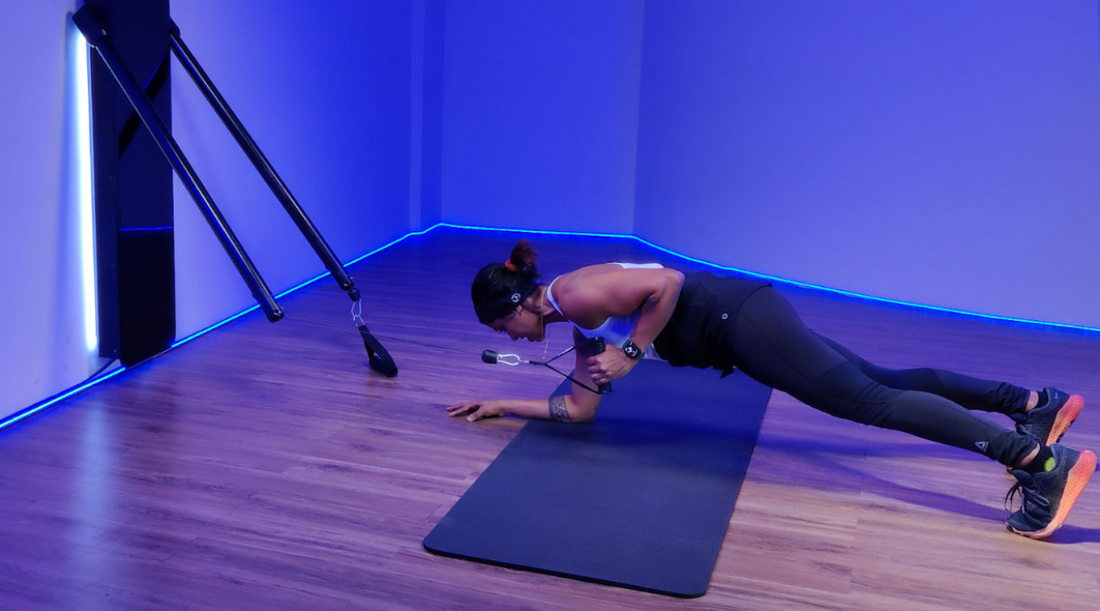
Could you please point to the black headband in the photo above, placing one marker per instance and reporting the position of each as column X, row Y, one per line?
column 489, row 311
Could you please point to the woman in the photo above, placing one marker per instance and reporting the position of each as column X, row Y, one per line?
column 706, row 321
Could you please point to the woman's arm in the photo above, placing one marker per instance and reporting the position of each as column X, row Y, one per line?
column 590, row 295
column 579, row 406
column 563, row 408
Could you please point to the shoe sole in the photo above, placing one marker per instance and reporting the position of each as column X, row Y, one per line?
column 1079, row 476
column 1065, row 417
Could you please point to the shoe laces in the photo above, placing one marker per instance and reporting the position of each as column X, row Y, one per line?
column 1031, row 496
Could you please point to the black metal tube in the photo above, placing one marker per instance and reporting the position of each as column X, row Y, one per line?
column 99, row 39
column 249, row 146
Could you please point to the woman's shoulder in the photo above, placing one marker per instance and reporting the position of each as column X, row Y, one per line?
column 570, row 283
column 594, row 292
column 588, row 277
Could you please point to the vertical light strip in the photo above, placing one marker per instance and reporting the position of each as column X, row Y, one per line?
column 83, row 124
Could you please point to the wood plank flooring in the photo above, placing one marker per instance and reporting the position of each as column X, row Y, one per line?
column 265, row 467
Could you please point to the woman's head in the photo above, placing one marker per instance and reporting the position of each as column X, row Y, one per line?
column 501, row 291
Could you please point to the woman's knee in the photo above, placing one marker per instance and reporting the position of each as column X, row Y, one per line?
column 924, row 379
column 845, row 392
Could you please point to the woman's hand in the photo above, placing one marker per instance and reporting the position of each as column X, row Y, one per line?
column 476, row 410
column 610, row 364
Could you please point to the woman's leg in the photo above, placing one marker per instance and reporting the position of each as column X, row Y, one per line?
column 971, row 393
column 772, row 345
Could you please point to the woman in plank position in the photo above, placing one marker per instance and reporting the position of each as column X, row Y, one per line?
column 704, row 320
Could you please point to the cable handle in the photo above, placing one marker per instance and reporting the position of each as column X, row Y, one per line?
column 597, row 346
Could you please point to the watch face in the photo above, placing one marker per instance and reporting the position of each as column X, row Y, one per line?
column 631, row 350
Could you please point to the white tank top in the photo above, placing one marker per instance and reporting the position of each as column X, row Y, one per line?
column 615, row 330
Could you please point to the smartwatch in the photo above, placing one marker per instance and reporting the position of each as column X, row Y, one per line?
column 632, row 350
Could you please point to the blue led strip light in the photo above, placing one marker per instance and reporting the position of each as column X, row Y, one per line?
column 797, row 283
column 41, row 406
column 34, row 409
column 300, row 286
column 145, row 229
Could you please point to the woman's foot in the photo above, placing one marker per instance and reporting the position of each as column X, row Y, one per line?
column 1048, row 496
column 1048, row 422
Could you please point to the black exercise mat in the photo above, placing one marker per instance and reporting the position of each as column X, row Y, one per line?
column 639, row 498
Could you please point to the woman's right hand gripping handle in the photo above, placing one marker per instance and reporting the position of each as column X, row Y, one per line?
column 597, row 346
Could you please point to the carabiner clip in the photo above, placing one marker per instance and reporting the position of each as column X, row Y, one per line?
column 492, row 357
column 357, row 313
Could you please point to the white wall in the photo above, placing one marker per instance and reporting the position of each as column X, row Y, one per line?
column 540, row 113
column 324, row 89
column 42, row 349
column 937, row 152
column 929, row 151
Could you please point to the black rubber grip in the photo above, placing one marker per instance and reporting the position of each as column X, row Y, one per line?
column 598, row 346
column 379, row 359
column 490, row 356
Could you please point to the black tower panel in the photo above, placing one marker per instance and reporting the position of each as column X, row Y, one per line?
column 133, row 187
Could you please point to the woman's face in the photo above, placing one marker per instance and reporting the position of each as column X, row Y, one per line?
column 521, row 322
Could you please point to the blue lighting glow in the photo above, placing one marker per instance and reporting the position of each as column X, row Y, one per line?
column 41, row 406
column 397, row 241
column 145, row 229
column 214, row 326
column 776, row 279
column 34, row 409
column 304, row 284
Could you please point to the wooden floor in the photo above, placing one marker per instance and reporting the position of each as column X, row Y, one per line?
column 265, row 467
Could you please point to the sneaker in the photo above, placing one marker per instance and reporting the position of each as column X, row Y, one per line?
column 1049, row 422
column 1049, row 496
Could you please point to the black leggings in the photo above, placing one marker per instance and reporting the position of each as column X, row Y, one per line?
column 774, row 346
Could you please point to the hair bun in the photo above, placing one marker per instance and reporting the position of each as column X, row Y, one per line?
column 522, row 259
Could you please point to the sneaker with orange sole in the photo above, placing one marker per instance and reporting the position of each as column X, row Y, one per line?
column 1049, row 496
column 1049, row 422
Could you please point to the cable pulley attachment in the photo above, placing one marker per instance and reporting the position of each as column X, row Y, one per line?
column 380, row 359
column 493, row 357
